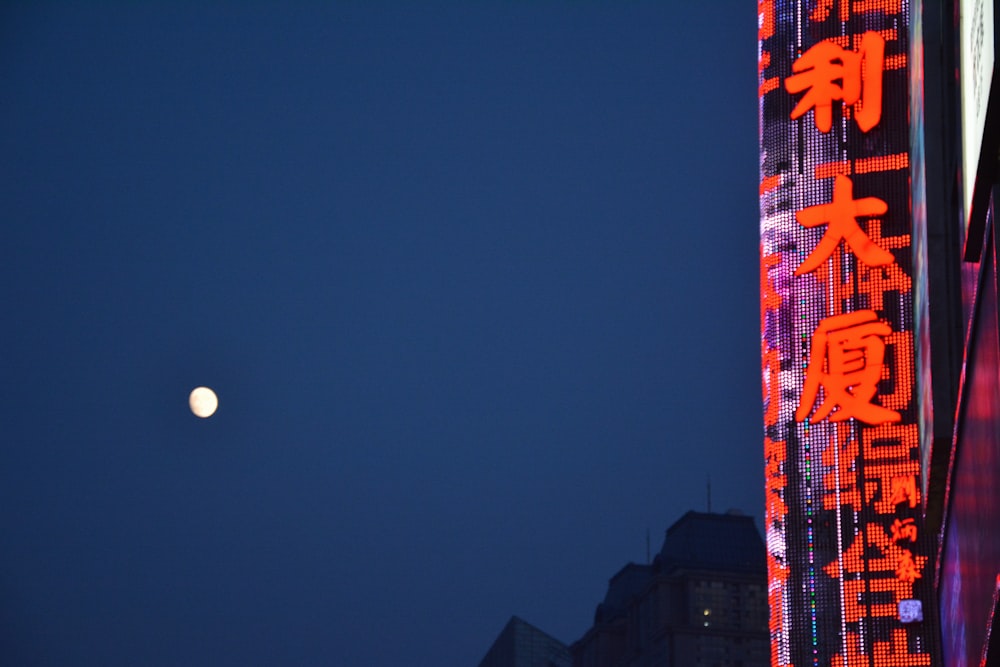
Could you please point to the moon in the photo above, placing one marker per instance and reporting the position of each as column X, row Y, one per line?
column 203, row 402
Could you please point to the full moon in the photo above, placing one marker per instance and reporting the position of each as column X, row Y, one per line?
column 203, row 402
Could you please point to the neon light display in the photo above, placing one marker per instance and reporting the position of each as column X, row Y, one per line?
column 847, row 554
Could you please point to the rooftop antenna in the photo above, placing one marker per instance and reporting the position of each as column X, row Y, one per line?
column 708, row 492
column 647, row 546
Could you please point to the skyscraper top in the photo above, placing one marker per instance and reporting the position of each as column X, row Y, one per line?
column 700, row 540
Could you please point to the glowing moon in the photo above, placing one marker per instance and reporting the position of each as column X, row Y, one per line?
column 203, row 402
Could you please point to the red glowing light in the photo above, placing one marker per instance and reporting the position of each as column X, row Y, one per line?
column 841, row 217
column 846, row 361
column 818, row 71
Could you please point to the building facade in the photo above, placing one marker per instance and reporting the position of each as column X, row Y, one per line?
column 701, row 602
column 961, row 114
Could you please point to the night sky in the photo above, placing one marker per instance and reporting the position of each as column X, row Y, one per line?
column 476, row 284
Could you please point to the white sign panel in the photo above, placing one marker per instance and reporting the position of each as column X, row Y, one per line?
column 976, row 72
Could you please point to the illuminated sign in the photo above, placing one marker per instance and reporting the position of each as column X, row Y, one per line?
column 847, row 554
column 975, row 20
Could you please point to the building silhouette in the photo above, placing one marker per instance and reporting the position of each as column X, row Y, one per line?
column 520, row 644
column 702, row 601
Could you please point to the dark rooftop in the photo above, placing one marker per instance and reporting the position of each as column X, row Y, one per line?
column 626, row 584
column 703, row 541
column 697, row 541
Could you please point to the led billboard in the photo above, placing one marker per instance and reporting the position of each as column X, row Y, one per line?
column 847, row 553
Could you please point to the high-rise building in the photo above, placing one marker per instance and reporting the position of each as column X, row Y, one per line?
column 702, row 601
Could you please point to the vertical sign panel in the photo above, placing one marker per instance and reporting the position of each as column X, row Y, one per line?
column 847, row 554
column 975, row 23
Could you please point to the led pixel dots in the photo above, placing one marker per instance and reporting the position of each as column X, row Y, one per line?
column 847, row 556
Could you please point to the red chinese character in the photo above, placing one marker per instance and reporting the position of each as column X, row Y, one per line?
column 840, row 216
column 881, row 475
column 907, row 570
column 830, row 73
column 765, row 19
column 903, row 530
column 888, row 7
column 897, row 652
column 822, row 10
column 846, row 360
column 891, row 590
column 904, row 490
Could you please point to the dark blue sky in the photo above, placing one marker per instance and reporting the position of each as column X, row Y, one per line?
column 475, row 283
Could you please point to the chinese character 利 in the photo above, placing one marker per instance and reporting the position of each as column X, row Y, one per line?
column 840, row 216
column 846, row 359
column 859, row 73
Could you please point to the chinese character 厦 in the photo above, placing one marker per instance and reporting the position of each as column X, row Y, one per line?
column 846, row 361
